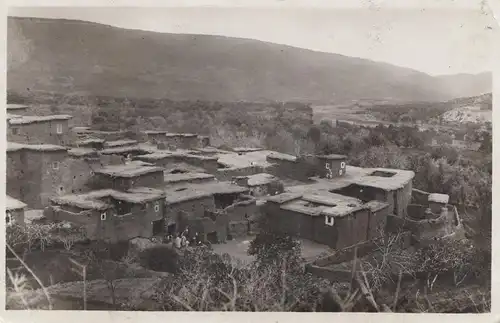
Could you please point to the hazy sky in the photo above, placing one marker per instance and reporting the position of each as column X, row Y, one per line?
column 435, row 41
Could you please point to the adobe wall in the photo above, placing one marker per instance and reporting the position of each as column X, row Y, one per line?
column 80, row 174
column 15, row 174
column 153, row 180
column 181, row 142
column 424, row 230
column 174, row 213
column 316, row 166
column 377, row 223
column 17, row 217
column 40, row 133
column 208, row 163
column 90, row 220
column 238, row 229
column 227, row 174
column 41, row 181
column 224, row 200
column 352, row 229
column 283, row 168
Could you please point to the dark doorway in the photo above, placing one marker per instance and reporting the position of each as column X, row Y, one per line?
column 158, row 227
column 212, row 237
column 171, row 229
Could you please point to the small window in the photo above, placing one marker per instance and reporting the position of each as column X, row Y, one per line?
column 342, row 165
column 61, row 189
column 8, row 218
column 15, row 131
column 103, row 216
column 329, row 220
column 59, row 128
column 157, row 207
column 55, row 165
column 341, row 171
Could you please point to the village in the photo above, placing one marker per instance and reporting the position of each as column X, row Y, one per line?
column 175, row 187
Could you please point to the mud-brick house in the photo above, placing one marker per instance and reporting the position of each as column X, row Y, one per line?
column 260, row 184
column 53, row 129
column 112, row 215
column 126, row 176
column 329, row 166
column 393, row 186
column 14, row 211
column 155, row 136
column 179, row 179
column 37, row 172
column 326, row 218
column 438, row 201
column 181, row 140
column 184, row 206
column 91, row 143
column 17, row 109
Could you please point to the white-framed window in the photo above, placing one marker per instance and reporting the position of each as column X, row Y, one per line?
column 342, row 165
column 59, row 128
column 55, row 165
column 103, row 216
column 341, row 171
column 157, row 207
column 329, row 220
column 8, row 218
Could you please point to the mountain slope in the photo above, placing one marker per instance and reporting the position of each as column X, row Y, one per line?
column 65, row 56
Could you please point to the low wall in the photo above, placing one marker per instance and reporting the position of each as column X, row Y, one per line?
column 227, row 174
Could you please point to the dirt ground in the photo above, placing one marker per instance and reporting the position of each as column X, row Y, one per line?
column 237, row 249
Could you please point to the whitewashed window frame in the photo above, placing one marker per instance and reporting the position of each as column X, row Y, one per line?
column 329, row 220
column 103, row 216
column 157, row 207
column 59, row 128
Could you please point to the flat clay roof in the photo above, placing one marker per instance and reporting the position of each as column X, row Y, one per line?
column 121, row 150
column 183, row 177
column 359, row 176
column 89, row 141
column 332, row 157
column 120, row 143
column 375, row 206
column 12, row 106
column 439, row 198
column 82, row 152
column 261, row 179
column 190, row 135
column 13, row 204
column 33, row 119
column 246, row 149
column 13, row 146
column 91, row 200
column 183, row 194
column 253, row 158
column 284, row 197
column 280, row 156
column 128, row 170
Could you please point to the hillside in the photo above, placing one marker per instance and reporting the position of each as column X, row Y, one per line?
column 64, row 56
column 477, row 109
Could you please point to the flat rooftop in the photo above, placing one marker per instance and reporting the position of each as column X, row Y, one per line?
column 82, row 152
column 249, row 159
column 332, row 157
column 217, row 187
column 34, row 119
column 120, row 143
column 12, row 106
column 185, row 177
column 246, row 149
column 439, row 198
column 259, row 179
column 13, row 146
column 89, row 141
column 13, row 204
column 128, row 170
column 92, row 200
column 183, row 194
column 280, row 156
column 186, row 135
column 368, row 177
column 121, row 150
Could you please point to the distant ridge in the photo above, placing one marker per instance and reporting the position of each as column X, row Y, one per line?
column 68, row 56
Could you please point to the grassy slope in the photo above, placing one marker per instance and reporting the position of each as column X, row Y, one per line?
column 80, row 57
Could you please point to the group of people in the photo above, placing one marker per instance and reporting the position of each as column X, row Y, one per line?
column 181, row 240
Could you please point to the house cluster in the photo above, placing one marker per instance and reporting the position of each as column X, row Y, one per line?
column 119, row 189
